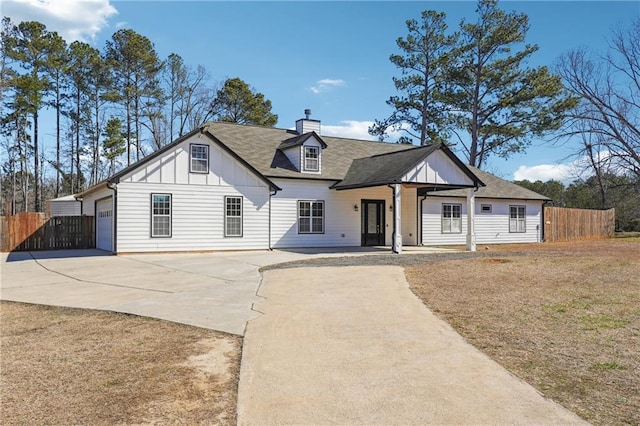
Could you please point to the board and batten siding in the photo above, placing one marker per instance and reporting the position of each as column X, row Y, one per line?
column 490, row 228
column 439, row 169
column 173, row 167
column 197, row 203
column 342, row 224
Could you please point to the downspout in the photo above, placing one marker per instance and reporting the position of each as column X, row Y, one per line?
column 271, row 194
column 419, row 209
column 81, row 201
column 112, row 186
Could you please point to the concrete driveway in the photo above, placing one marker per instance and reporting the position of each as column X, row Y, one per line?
column 210, row 290
column 347, row 345
column 205, row 291
column 353, row 345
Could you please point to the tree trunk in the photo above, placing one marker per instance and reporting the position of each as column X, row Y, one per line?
column 36, row 171
column 57, row 141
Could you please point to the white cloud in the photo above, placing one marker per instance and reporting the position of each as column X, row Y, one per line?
column 358, row 130
column 544, row 172
column 327, row 84
column 72, row 19
column 349, row 129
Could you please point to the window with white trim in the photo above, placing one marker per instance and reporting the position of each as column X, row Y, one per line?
column 517, row 219
column 199, row 158
column 310, row 217
column 311, row 159
column 161, row 215
column 451, row 218
column 233, row 216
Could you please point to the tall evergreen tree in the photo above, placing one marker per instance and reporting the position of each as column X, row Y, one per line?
column 56, row 70
column 79, row 68
column 421, row 110
column 135, row 67
column 30, row 45
column 499, row 102
column 113, row 143
column 236, row 102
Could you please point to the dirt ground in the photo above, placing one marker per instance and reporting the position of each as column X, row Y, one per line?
column 63, row 366
column 563, row 317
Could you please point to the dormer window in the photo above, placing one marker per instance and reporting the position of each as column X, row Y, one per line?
column 311, row 158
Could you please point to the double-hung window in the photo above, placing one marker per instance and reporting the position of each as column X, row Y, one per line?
column 233, row 216
column 451, row 218
column 161, row 215
column 199, row 158
column 310, row 217
column 517, row 219
column 311, row 158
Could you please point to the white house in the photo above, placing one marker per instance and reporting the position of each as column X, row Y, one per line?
column 225, row 186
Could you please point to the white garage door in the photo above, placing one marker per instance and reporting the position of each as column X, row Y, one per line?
column 104, row 224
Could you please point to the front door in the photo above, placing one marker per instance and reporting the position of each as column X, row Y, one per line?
column 373, row 222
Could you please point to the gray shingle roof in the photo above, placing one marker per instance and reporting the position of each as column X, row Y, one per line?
column 299, row 140
column 496, row 188
column 391, row 167
column 260, row 149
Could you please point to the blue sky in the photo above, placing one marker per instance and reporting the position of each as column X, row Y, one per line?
column 329, row 56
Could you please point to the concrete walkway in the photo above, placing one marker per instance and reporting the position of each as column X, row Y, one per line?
column 353, row 345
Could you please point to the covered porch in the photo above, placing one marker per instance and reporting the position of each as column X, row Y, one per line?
column 411, row 173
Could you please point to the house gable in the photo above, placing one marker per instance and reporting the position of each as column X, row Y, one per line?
column 197, row 159
column 437, row 169
column 433, row 165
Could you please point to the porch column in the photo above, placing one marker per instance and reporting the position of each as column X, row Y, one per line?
column 396, row 244
column 471, row 220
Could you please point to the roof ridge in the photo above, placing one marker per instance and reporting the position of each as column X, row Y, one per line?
column 431, row 145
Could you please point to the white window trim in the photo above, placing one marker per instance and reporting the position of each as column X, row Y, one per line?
column 191, row 159
column 517, row 220
column 311, row 216
column 317, row 159
column 170, row 216
column 226, row 216
column 450, row 219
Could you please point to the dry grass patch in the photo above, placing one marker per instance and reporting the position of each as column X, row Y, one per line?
column 71, row 366
column 563, row 317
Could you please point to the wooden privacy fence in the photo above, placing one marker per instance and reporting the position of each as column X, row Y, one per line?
column 563, row 224
column 33, row 231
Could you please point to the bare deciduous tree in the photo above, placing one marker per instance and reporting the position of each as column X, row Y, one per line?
column 609, row 90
